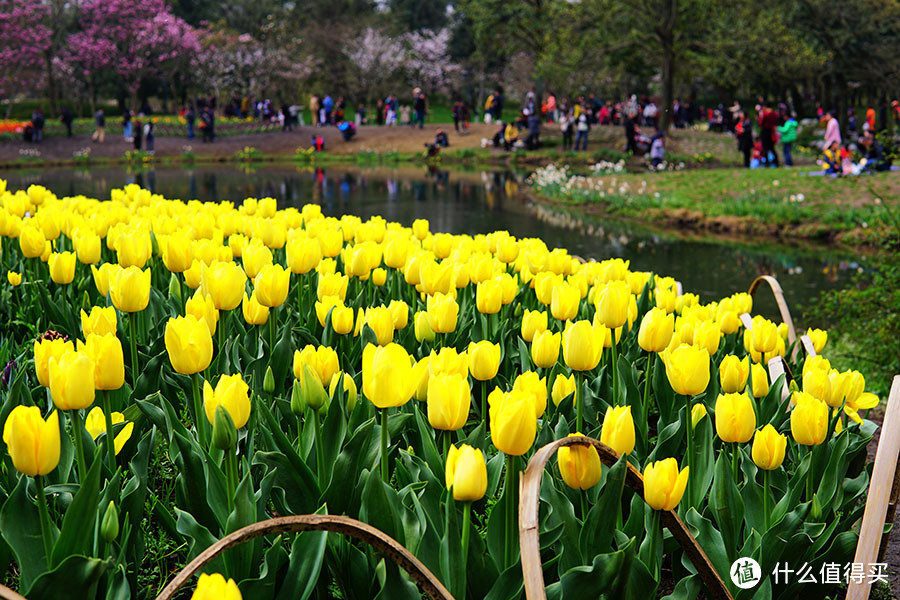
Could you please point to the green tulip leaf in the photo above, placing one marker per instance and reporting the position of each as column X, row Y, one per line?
column 69, row 580
column 21, row 528
column 76, row 535
column 508, row 586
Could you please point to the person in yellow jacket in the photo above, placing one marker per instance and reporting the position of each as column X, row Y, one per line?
column 488, row 105
column 510, row 136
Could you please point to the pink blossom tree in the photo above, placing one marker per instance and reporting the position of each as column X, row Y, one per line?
column 376, row 59
column 24, row 43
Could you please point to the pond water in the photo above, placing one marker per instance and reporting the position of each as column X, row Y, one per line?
column 479, row 202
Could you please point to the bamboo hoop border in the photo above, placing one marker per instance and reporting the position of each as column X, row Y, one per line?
column 300, row 523
column 529, row 504
column 783, row 309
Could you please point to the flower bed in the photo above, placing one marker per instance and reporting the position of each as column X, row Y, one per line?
column 250, row 362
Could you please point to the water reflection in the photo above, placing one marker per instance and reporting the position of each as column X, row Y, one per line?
column 477, row 202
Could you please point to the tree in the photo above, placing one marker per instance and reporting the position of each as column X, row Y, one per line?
column 415, row 15
column 24, row 42
column 376, row 59
column 429, row 64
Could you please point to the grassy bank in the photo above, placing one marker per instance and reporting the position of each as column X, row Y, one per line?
column 776, row 203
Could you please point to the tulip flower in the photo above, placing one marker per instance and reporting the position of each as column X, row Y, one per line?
column 387, row 375
column 311, row 387
column 193, row 276
column 423, row 330
column 687, row 368
column 733, row 373
column 449, row 398
column 31, row 241
column 399, row 314
column 466, row 473
column 96, row 425
column 512, row 421
column 420, row 228
column 303, row 255
column 564, row 302
column 381, row 321
column 545, row 348
column 617, row 431
column 530, row 382
column 817, row 384
column 203, row 307
column 582, row 346
column 443, row 312
column 697, row 414
column 664, row 485
column 225, row 282
column 188, row 344
column 254, row 312
column 760, row 380
column 232, row 394
column 271, row 285
column 350, row 389
column 818, row 337
column 489, row 297
column 333, row 284
column 255, row 256
column 71, row 380
column 421, row 375
column 100, row 321
column 105, row 351
column 612, row 303
column 816, row 362
column 764, row 335
column 62, row 267
column 323, row 360
column 579, row 465
column 177, row 253
column 768, row 448
column 809, row 419
column 563, row 387
column 44, row 350
column 533, row 321
column 129, row 289
column 133, row 249
column 735, row 419
column 484, row 360
column 215, row 587
column 31, row 442
column 14, row 279
column 656, row 330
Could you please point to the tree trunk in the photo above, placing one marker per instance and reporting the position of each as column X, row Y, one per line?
column 51, row 84
column 666, row 39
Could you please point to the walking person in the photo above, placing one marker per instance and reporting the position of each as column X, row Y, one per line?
column 568, row 130
column 314, row 109
column 658, row 149
column 788, row 132
column 419, row 108
column 630, row 133
column 768, row 121
column 148, row 135
column 37, row 123
column 190, row 117
column 582, row 126
column 287, row 123
column 100, row 122
column 744, row 132
column 66, row 117
column 126, row 125
column 138, row 133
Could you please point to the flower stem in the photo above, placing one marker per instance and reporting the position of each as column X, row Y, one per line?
column 231, row 475
column 510, row 494
column 690, row 439
column 654, row 544
column 615, row 376
column 132, row 342
column 766, row 498
column 199, row 416
column 579, row 400
column 320, row 455
column 466, row 532
column 77, row 428
column 645, row 407
column 735, row 457
column 273, row 326
column 44, row 513
column 110, row 443
column 384, row 445
column 484, row 407
column 809, row 473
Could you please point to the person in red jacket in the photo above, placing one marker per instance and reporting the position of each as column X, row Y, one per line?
column 768, row 121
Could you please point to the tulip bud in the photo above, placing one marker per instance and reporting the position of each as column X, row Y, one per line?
column 735, row 419
column 297, row 405
column 579, row 466
column 269, row 380
column 760, row 380
column 109, row 527
column 545, row 348
column 656, row 330
column 618, row 429
column 311, row 388
column 697, row 413
column 224, row 434
column 809, row 419
column 562, row 388
column 687, row 368
column 466, row 473
column 175, row 288
column 664, row 485
column 215, row 587
column 768, row 448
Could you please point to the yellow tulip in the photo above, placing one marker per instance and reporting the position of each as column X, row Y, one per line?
column 617, row 431
column 533, row 321
column 664, row 485
column 133, row 249
column 323, row 361
column 271, row 285
column 489, row 297
column 395, row 253
column 421, row 375
column 254, row 257
column 350, row 389
column 87, row 247
column 707, row 335
column 656, row 330
column 760, row 379
column 466, row 473
column 733, row 373
column 188, row 344
column 735, row 419
column 72, row 380
column 31, row 442
column 545, row 348
column 697, row 413
column 387, row 375
column 62, row 267
column 14, row 279
column 106, row 354
column 512, row 421
column 579, row 465
column 443, row 312
column 563, row 387
column 44, row 350
column 509, row 285
column 254, row 312
column 129, row 289
column 449, row 398
column 203, row 307
column 420, row 228
column 399, row 314
column 612, row 303
column 31, row 241
column 818, row 337
column 768, row 448
column 381, row 321
column 101, row 321
column 687, row 368
column 96, row 425
column 809, row 419
column 764, row 335
column 303, row 255
column 816, row 362
column 232, row 394
column 507, row 249
column 225, row 282
column 817, row 384
column 379, row 277
column 484, row 360
column 215, row 587
column 530, row 382
column 582, row 345
column 333, row 284
column 564, row 302
column 177, row 253
column 423, row 330
column 193, row 276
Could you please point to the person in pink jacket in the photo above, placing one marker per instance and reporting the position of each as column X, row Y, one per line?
column 832, row 129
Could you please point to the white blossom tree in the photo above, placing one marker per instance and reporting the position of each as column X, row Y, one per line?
column 428, row 63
